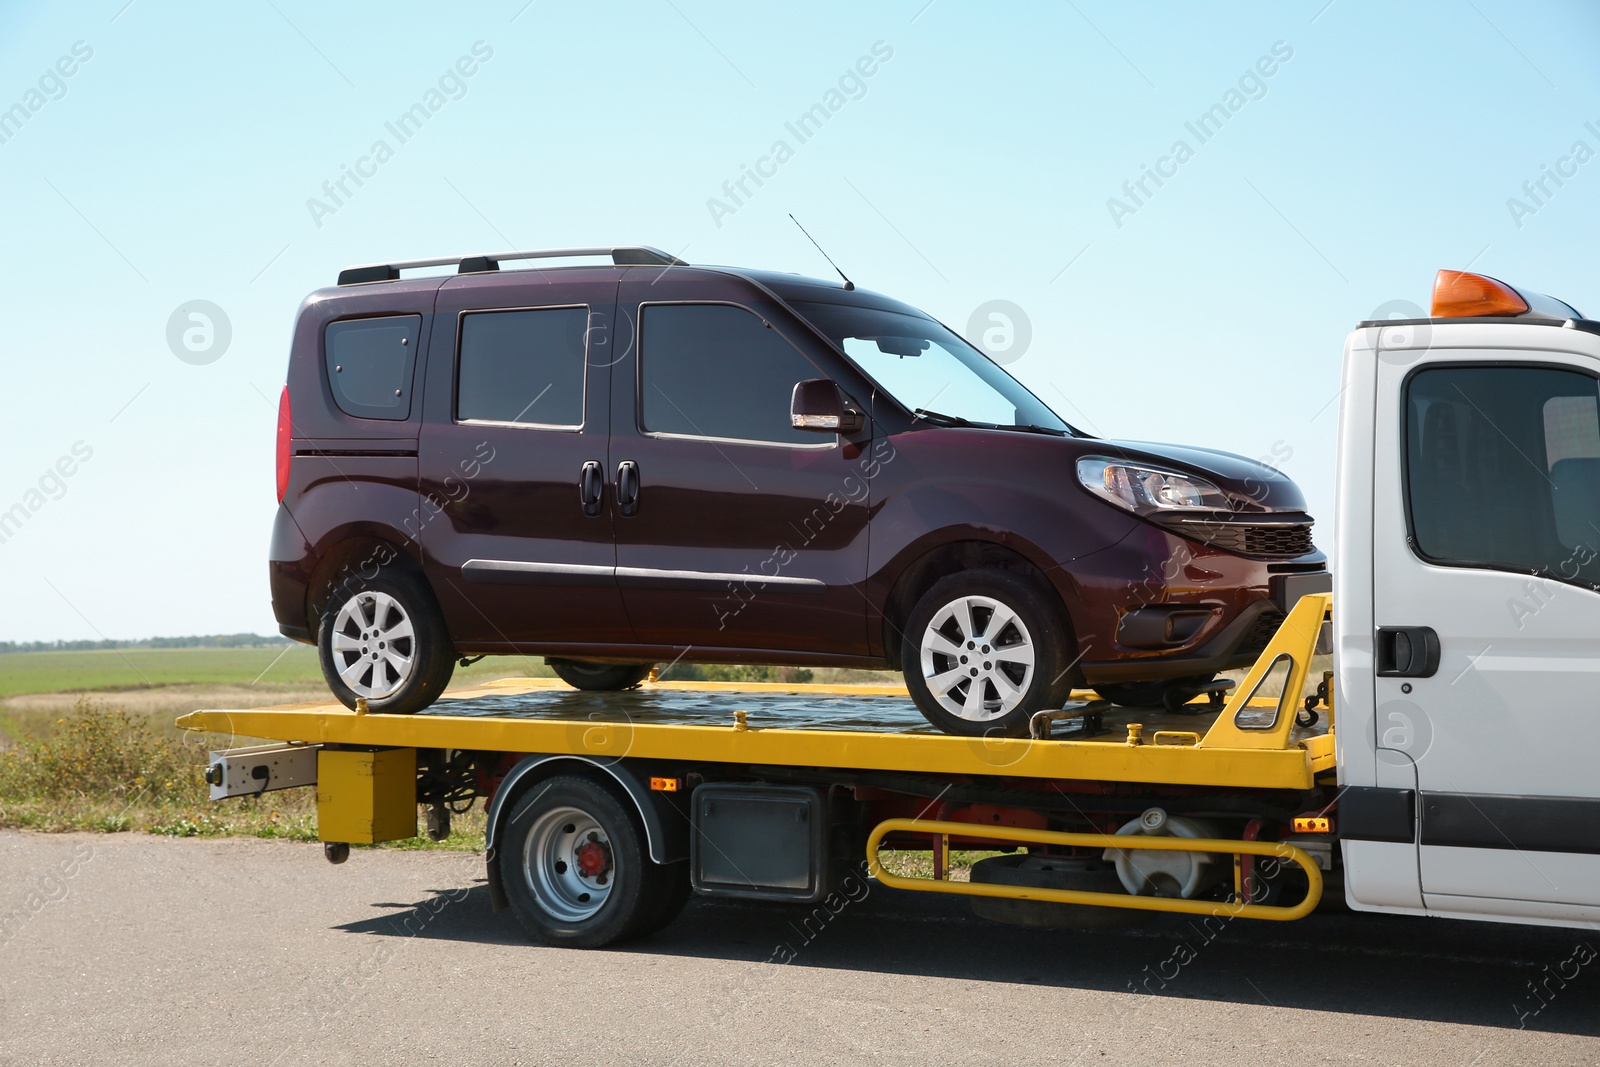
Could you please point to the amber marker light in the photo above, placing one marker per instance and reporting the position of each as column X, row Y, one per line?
column 1459, row 295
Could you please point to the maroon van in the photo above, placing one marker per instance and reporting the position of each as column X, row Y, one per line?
column 620, row 465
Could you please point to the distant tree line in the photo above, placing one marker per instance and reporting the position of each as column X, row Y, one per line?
column 199, row 641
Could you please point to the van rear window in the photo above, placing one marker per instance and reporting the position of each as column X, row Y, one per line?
column 369, row 364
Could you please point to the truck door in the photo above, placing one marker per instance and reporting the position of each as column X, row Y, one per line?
column 1486, row 597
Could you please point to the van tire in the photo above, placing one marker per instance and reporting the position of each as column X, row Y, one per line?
column 997, row 693
column 599, row 677
column 389, row 618
column 1173, row 694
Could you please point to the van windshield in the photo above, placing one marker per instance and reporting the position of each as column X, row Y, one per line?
column 926, row 367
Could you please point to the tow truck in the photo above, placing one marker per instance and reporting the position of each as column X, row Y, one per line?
column 1451, row 777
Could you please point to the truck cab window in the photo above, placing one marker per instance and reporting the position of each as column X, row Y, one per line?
column 1503, row 469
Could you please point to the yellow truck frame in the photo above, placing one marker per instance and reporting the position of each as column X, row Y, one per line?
column 366, row 769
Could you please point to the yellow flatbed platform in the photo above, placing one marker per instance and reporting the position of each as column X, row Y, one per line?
column 847, row 727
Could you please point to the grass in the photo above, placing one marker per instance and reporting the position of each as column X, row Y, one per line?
column 88, row 741
column 105, row 769
column 128, row 668
column 920, row 864
column 141, row 668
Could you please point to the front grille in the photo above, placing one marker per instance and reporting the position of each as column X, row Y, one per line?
column 1276, row 540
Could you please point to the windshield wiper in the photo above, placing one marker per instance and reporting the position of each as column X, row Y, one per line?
column 939, row 418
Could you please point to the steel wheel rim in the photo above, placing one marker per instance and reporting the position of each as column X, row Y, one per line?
column 978, row 658
column 374, row 645
column 567, row 860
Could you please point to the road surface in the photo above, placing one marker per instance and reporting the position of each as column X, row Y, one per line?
column 126, row 949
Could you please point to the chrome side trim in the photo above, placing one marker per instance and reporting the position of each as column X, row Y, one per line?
column 651, row 577
column 510, row 570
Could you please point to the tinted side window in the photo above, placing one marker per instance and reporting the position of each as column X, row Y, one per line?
column 522, row 366
column 718, row 371
column 1503, row 469
column 369, row 365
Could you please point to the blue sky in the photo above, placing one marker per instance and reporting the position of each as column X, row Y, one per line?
column 177, row 161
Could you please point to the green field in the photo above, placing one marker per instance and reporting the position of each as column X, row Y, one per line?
column 88, row 739
column 140, row 668
column 128, row 668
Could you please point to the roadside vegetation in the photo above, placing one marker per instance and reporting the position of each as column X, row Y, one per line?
column 109, row 770
column 88, row 739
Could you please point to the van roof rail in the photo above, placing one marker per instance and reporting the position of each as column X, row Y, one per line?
column 621, row 256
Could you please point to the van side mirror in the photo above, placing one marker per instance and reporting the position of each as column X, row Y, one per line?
column 818, row 404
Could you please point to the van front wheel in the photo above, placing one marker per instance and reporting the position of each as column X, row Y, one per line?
column 983, row 650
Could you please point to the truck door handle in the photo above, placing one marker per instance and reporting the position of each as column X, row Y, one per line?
column 591, row 487
column 628, row 487
column 1407, row 652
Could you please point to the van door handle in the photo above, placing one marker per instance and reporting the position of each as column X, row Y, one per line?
column 1407, row 652
column 591, row 487
column 628, row 487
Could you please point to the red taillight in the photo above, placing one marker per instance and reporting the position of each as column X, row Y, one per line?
column 285, row 424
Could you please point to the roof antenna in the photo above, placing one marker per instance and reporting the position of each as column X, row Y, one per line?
column 848, row 284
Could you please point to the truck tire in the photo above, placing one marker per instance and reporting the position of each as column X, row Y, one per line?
column 674, row 892
column 575, row 867
column 983, row 650
column 1052, row 872
column 601, row 677
column 385, row 642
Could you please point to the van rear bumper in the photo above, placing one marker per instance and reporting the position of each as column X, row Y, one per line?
column 289, row 563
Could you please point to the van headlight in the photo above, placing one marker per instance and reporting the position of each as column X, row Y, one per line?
column 1144, row 490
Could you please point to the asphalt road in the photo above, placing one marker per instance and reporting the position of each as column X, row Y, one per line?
column 131, row 950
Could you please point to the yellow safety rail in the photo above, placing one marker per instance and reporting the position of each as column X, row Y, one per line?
column 1236, row 908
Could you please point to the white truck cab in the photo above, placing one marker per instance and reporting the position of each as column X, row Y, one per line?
column 1467, row 609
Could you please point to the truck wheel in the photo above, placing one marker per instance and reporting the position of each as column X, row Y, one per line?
column 574, row 865
column 982, row 651
column 385, row 643
column 604, row 677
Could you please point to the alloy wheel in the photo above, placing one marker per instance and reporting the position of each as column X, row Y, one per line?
column 374, row 644
column 977, row 658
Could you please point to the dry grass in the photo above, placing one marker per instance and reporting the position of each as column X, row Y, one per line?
column 909, row 864
column 109, row 769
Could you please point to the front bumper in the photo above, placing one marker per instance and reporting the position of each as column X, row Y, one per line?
column 1156, row 605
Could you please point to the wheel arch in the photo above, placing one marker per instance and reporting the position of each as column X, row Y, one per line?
column 918, row 574
column 353, row 555
column 666, row 839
